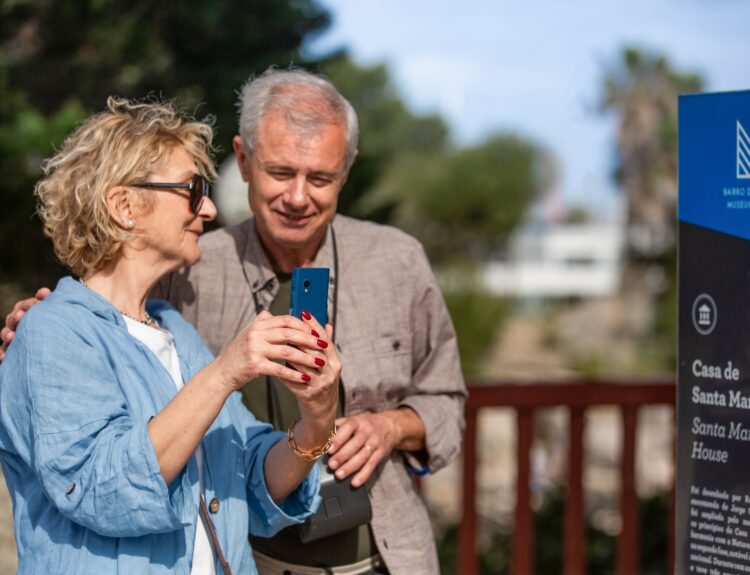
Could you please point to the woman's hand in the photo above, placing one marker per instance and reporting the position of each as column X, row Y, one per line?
column 261, row 346
column 318, row 397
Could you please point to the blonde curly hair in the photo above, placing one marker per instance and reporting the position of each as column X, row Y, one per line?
column 120, row 146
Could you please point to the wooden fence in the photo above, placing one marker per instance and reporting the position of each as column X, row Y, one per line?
column 577, row 397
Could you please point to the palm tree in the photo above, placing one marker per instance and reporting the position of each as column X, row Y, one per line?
column 642, row 89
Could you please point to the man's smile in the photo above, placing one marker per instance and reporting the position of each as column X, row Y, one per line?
column 293, row 219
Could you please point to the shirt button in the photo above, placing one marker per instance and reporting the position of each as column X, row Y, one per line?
column 70, row 488
column 213, row 507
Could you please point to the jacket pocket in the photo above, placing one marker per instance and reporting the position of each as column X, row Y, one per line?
column 394, row 362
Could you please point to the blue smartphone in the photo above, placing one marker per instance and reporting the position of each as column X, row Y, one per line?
column 310, row 293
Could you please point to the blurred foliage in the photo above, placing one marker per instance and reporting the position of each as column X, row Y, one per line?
column 27, row 137
column 601, row 547
column 198, row 52
column 460, row 203
column 477, row 316
column 641, row 89
column 663, row 342
column 590, row 366
column 388, row 129
column 579, row 215
column 60, row 60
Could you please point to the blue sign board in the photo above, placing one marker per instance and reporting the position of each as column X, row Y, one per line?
column 713, row 454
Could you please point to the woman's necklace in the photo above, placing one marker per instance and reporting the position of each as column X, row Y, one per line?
column 148, row 321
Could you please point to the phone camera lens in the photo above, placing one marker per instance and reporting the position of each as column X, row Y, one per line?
column 307, row 283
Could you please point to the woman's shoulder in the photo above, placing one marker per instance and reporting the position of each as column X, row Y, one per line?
column 71, row 307
column 54, row 316
column 54, row 329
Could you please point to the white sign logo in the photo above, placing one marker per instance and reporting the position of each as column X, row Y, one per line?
column 705, row 314
column 743, row 153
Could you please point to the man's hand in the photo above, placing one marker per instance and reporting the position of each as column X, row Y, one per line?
column 364, row 440
column 12, row 319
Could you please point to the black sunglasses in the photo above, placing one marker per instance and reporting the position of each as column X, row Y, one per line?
column 198, row 188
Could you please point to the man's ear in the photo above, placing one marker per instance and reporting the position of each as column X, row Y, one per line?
column 119, row 203
column 243, row 158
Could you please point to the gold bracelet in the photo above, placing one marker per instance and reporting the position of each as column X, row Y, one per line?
column 312, row 454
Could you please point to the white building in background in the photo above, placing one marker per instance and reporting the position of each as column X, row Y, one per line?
column 559, row 261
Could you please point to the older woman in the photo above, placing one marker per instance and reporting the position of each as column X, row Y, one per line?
column 123, row 443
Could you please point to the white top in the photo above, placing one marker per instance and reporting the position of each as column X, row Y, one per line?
column 161, row 343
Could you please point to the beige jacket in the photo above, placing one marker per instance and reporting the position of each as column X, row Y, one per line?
column 394, row 337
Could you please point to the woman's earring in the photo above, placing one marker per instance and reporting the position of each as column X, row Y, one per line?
column 131, row 224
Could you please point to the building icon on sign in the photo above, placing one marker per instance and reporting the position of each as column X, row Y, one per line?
column 704, row 315
column 743, row 153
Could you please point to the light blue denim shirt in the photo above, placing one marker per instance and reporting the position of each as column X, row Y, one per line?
column 76, row 394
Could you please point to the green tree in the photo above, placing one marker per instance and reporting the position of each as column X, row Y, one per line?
column 199, row 52
column 641, row 89
column 462, row 204
column 60, row 60
column 388, row 129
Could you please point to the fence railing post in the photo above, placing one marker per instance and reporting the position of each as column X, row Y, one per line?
column 467, row 532
column 627, row 542
column 523, row 534
column 575, row 527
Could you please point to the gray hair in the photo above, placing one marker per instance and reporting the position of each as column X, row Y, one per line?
column 314, row 102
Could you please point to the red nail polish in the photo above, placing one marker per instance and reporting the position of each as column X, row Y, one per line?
column 315, row 333
column 306, row 315
column 305, row 377
column 320, row 362
column 323, row 344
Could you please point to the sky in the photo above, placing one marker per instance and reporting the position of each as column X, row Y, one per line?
column 535, row 67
